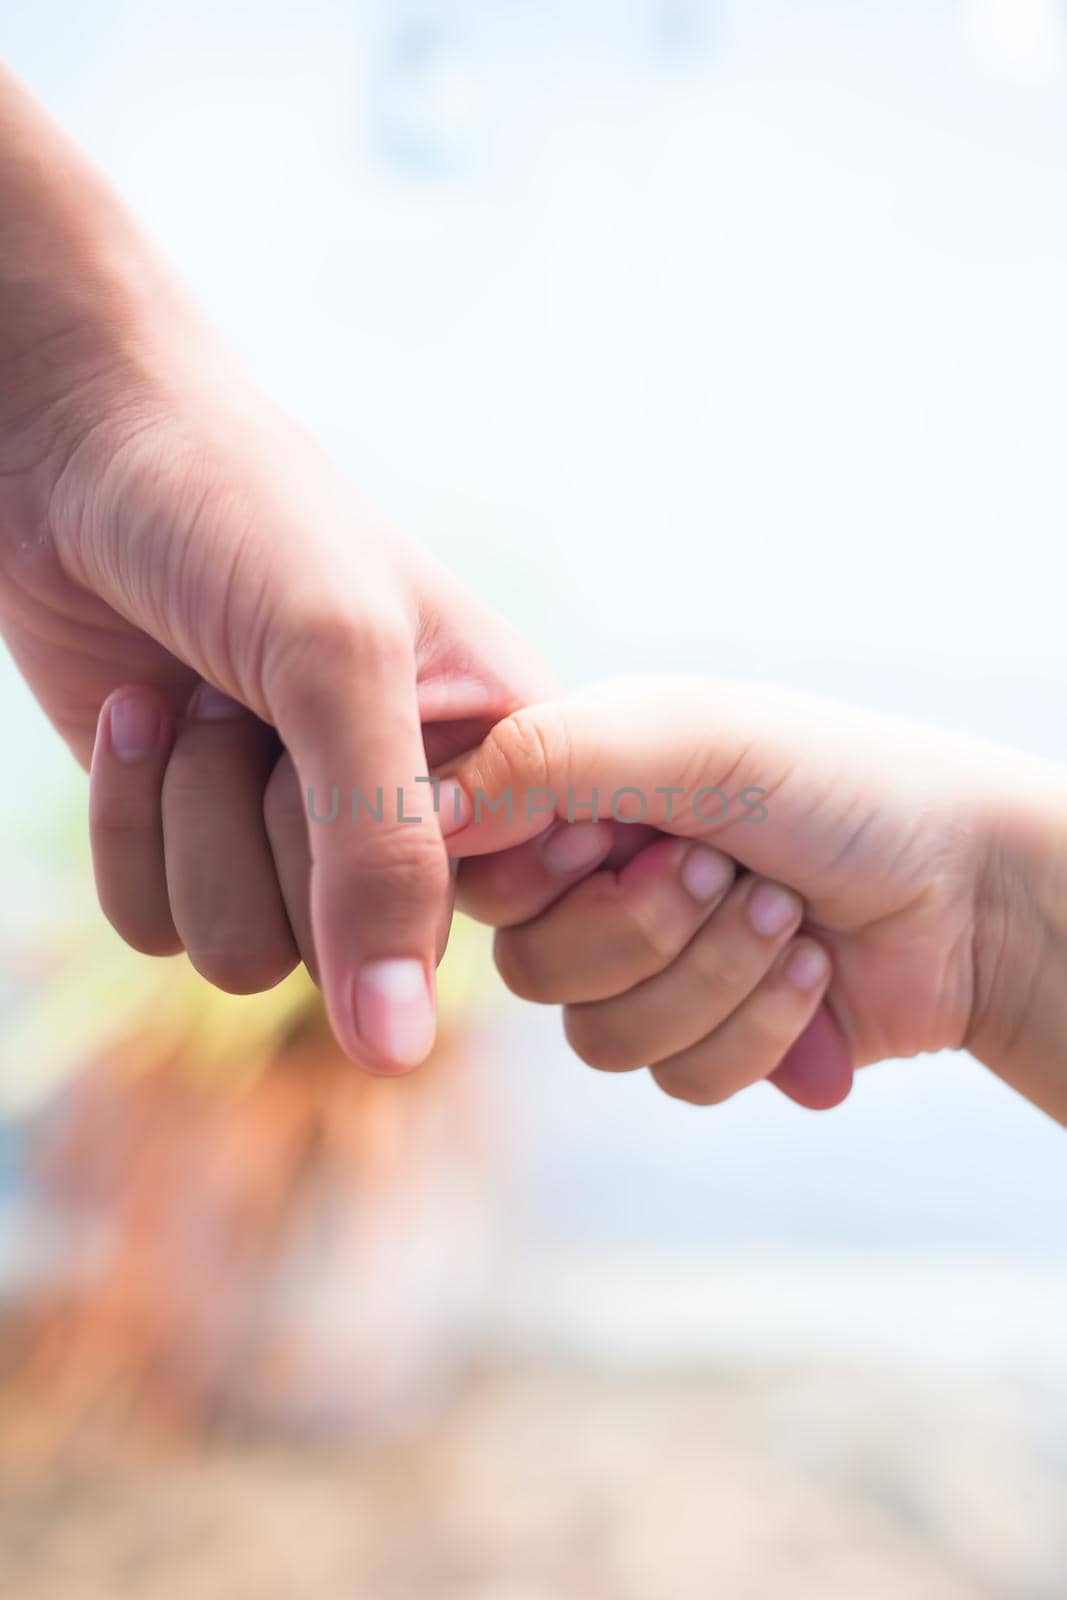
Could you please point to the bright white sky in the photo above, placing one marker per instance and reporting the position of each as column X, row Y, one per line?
column 737, row 346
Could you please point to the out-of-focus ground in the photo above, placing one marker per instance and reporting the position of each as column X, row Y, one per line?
column 566, row 1483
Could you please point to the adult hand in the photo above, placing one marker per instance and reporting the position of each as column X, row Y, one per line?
column 164, row 525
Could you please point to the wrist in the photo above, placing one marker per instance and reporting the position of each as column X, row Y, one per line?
column 1019, row 1017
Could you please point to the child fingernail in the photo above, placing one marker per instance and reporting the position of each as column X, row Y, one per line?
column 771, row 909
column 211, row 705
column 574, row 845
column 807, row 966
column 133, row 722
column 706, row 873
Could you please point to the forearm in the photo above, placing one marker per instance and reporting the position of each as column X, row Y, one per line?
column 1020, row 1014
column 73, row 269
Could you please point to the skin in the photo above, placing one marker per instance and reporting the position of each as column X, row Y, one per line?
column 209, row 614
column 927, row 875
column 169, row 855
column 163, row 524
column 205, row 608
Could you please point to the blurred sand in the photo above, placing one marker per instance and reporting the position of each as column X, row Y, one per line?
column 549, row 1484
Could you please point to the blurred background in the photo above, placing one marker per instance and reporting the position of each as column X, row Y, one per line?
column 720, row 335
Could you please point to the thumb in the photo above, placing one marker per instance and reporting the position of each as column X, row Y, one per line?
column 380, row 885
column 697, row 760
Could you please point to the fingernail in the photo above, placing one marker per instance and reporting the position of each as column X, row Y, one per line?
column 807, row 966
column 706, row 873
column 453, row 807
column 134, row 726
column 771, row 909
column 395, row 1011
column 211, row 705
column 574, row 845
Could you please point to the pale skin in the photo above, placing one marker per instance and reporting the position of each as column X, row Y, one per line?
column 906, row 892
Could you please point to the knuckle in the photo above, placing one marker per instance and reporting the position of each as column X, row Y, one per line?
column 532, row 744
column 327, row 643
column 772, row 1027
column 406, row 852
column 123, row 816
column 383, row 647
column 406, row 871
column 633, row 932
column 649, row 931
column 188, row 776
column 724, row 974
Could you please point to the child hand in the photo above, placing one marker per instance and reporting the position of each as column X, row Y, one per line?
column 926, row 866
column 665, row 957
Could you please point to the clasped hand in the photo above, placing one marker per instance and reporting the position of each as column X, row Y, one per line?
column 204, row 607
column 871, row 897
